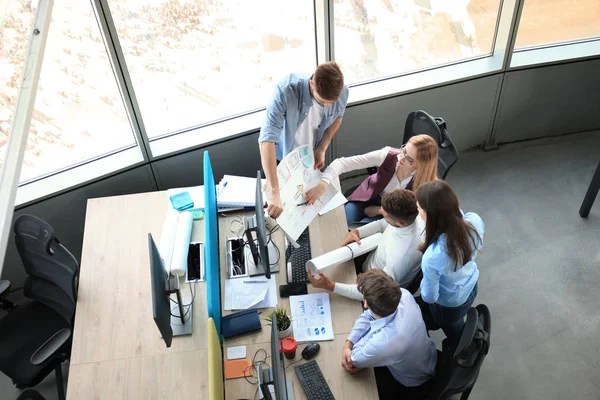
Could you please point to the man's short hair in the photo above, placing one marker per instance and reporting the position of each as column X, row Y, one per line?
column 401, row 205
column 328, row 80
column 380, row 291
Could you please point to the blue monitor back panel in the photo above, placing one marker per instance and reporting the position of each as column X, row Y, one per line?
column 211, row 253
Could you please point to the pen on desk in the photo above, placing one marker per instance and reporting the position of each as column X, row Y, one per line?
column 222, row 188
column 302, row 204
column 255, row 281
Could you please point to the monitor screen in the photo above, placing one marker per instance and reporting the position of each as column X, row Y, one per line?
column 278, row 366
column 161, row 304
column 261, row 233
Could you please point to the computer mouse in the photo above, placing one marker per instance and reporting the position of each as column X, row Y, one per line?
column 310, row 351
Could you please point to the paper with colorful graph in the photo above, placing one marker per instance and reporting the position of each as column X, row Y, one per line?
column 296, row 176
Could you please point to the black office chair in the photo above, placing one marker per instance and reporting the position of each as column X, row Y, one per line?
column 458, row 366
column 419, row 122
column 35, row 336
column 30, row 394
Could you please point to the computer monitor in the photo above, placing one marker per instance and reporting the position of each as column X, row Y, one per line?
column 171, row 320
column 161, row 307
column 277, row 367
column 260, row 255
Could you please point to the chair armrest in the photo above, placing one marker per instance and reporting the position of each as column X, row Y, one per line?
column 4, row 286
column 51, row 346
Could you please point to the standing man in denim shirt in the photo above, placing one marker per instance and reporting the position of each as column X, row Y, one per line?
column 305, row 110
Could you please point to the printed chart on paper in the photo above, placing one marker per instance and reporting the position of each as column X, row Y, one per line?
column 311, row 317
column 296, row 176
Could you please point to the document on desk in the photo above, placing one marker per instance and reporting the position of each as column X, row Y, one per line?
column 245, row 293
column 311, row 317
column 296, row 176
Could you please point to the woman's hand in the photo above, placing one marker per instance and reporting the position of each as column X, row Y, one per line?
column 315, row 193
column 372, row 211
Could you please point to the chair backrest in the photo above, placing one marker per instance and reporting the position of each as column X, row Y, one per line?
column 30, row 394
column 52, row 269
column 459, row 368
column 419, row 122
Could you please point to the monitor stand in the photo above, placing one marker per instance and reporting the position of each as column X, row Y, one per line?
column 180, row 326
column 265, row 380
column 252, row 268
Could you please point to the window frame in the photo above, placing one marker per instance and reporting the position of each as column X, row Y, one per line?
column 502, row 59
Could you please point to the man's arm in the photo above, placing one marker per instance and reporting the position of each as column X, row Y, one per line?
column 368, row 355
column 268, row 138
column 372, row 228
column 361, row 327
column 324, row 143
column 269, row 163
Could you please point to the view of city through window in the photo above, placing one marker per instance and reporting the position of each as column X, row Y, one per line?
column 197, row 61
column 78, row 113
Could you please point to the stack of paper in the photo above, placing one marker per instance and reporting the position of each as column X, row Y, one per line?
column 237, row 191
column 296, row 176
column 245, row 293
column 311, row 317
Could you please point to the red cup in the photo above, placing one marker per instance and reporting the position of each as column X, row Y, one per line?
column 289, row 346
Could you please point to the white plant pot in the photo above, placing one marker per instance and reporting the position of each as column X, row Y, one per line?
column 285, row 333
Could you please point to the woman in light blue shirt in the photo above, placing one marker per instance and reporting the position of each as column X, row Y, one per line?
column 452, row 241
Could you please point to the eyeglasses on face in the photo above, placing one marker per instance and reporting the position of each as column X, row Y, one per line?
column 405, row 155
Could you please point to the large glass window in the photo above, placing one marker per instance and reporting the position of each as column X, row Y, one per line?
column 78, row 113
column 378, row 38
column 545, row 22
column 196, row 61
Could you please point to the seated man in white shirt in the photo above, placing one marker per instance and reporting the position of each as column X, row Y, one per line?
column 390, row 333
column 397, row 254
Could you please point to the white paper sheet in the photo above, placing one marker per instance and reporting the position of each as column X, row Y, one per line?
column 311, row 317
column 181, row 245
column 343, row 254
column 296, row 176
column 241, row 295
column 196, row 193
column 338, row 200
column 237, row 191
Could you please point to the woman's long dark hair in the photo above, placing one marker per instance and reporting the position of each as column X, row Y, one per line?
column 440, row 203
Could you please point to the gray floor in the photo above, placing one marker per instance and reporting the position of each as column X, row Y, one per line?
column 540, row 269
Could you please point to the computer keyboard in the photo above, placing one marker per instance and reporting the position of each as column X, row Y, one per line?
column 313, row 382
column 296, row 259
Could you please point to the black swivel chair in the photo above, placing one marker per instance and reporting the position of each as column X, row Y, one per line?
column 35, row 336
column 458, row 366
column 419, row 122
column 30, row 394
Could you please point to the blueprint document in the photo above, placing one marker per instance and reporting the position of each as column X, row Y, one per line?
column 311, row 317
column 297, row 175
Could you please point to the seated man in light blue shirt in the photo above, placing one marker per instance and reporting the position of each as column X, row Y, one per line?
column 390, row 333
column 305, row 110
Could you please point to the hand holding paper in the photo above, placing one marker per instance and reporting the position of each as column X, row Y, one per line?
column 343, row 254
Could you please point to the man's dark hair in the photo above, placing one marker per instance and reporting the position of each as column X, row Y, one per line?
column 401, row 205
column 328, row 80
column 380, row 291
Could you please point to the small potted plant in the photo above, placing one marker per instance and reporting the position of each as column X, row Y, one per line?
column 284, row 322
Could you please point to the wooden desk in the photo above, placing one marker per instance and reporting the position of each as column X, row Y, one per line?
column 343, row 385
column 326, row 234
column 117, row 349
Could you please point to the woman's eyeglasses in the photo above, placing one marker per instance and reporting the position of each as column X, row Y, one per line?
column 404, row 155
